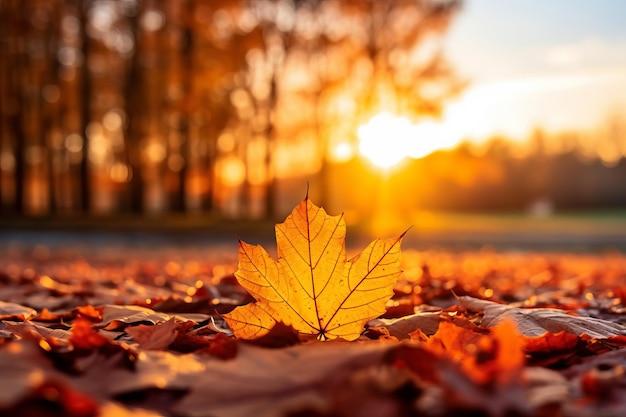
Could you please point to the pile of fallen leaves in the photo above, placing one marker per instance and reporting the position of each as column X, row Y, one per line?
column 314, row 333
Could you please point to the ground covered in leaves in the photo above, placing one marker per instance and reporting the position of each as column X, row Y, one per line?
column 476, row 333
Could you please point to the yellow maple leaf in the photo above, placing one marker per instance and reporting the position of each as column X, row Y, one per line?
column 312, row 287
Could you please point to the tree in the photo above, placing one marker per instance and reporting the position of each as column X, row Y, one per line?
column 147, row 96
column 373, row 55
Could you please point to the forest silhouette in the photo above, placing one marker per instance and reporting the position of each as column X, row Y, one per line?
column 230, row 106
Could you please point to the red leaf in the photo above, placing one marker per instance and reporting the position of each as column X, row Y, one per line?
column 222, row 346
column 83, row 336
column 47, row 317
column 154, row 337
column 551, row 342
column 90, row 312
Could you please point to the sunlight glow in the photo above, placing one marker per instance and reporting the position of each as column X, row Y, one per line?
column 387, row 139
column 382, row 140
column 231, row 171
column 341, row 152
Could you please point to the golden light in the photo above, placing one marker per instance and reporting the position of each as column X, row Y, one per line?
column 120, row 172
column 430, row 136
column 382, row 139
column 231, row 171
column 341, row 152
column 387, row 139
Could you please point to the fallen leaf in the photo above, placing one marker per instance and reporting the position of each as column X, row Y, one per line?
column 46, row 316
column 23, row 367
column 467, row 373
column 546, row 388
column 280, row 335
column 275, row 382
column 618, row 340
column 13, row 311
column 452, row 341
column 114, row 316
column 113, row 409
column 90, row 312
column 607, row 360
column 57, row 395
column 535, row 322
column 312, row 287
column 424, row 365
column 598, row 385
column 29, row 329
column 483, row 372
column 500, row 358
column 427, row 322
column 550, row 343
column 222, row 346
column 154, row 337
column 83, row 336
column 555, row 350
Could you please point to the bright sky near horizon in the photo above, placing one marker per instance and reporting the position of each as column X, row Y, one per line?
column 558, row 64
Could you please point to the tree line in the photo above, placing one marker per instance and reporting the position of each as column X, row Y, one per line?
column 192, row 105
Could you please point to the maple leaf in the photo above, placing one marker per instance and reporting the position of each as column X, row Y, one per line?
column 312, row 287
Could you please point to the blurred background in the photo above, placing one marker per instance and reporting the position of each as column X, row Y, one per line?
column 470, row 116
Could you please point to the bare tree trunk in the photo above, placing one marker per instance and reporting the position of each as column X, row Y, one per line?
column 188, row 91
column 208, row 202
column 4, row 91
column 86, row 109
column 16, row 119
column 270, row 192
column 50, row 110
column 132, row 94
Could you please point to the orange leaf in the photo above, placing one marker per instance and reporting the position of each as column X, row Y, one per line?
column 497, row 357
column 83, row 336
column 90, row 312
column 222, row 346
column 154, row 337
column 550, row 342
column 509, row 356
column 312, row 287
column 451, row 341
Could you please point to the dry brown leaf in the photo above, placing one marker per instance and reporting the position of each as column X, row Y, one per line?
column 276, row 382
column 533, row 322
column 23, row 367
column 13, row 311
column 154, row 337
column 599, row 385
column 119, row 316
column 312, row 287
column 30, row 329
column 427, row 322
column 257, row 382
column 546, row 388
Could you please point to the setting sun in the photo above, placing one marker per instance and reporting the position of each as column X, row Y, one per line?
column 387, row 139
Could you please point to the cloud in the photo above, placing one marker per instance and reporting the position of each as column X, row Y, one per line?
column 567, row 100
column 589, row 53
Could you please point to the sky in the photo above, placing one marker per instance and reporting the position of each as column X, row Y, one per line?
column 558, row 64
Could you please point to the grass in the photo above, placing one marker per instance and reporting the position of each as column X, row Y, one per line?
column 589, row 230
